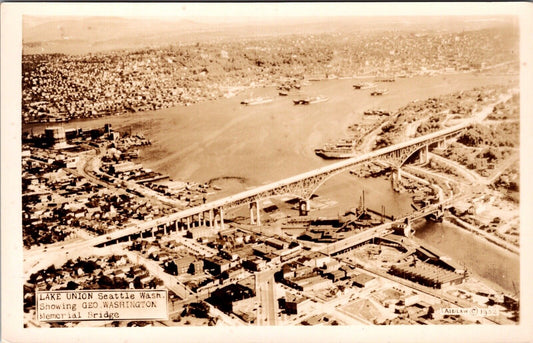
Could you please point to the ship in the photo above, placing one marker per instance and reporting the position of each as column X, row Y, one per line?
column 342, row 149
column 378, row 92
column 313, row 100
column 283, row 93
column 364, row 85
column 386, row 79
column 256, row 101
column 317, row 99
column 376, row 113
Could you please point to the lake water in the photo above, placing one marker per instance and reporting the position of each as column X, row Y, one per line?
column 265, row 143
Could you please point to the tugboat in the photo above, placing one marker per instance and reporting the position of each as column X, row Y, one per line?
column 378, row 92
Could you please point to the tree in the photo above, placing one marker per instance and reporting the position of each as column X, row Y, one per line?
column 106, row 282
column 71, row 285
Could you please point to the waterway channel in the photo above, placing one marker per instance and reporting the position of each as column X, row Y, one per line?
column 490, row 262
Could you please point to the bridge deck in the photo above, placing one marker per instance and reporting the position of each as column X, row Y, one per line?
column 258, row 191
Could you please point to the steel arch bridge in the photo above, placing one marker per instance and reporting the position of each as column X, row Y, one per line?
column 301, row 186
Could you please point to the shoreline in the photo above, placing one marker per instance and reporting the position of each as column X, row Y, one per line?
column 493, row 240
column 475, row 273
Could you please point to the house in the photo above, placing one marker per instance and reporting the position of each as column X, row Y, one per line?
column 183, row 264
column 124, row 167
column 216, row 264
column 314, row 283
column 330, row 266
column 197, row 267
column 411, row 299
column 294, row 304
column 363, row 280
column 276, row 243
column 336, row 275
column 254, row 263
column 145, row 280
column 200, row 232
column 316, row 259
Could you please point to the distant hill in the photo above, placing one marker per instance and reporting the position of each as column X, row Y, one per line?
column 92, row 34
column 81, row 35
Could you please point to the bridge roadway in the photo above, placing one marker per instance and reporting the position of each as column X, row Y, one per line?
column 269, row 190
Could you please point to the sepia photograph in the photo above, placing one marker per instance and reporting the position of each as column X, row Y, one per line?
column 250, row 166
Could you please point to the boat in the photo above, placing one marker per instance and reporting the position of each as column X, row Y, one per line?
column 313, row 100
column 342, row 149
column 378, row 92
column 317, row 99
column 256, row 101
column 376, row 113
column 386, row 79
column 283, row 93
column 364, row 85
column 334, row 153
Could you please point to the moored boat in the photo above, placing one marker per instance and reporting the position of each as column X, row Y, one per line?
column 376, row 113
column 343, row 149
column 312, row 100
column 256, row 101
column 378, row 92
column 364, row 85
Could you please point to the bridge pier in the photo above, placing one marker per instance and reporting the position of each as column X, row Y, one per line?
column 304, row 207
column 211, row 218
column 188, row 223
column 252, row 220
column 423, row 154
column 221, row 211
column 255, row 218
column 258, row 213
